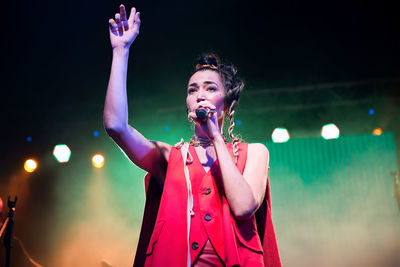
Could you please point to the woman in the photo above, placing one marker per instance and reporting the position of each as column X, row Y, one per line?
column 202, row 197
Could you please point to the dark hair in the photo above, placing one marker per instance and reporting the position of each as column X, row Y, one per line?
column 233, row 86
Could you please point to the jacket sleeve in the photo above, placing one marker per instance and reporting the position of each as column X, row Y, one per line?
column 267, row 233
column 153, row 198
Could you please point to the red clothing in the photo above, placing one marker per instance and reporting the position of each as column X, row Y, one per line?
column 207, row 192
column 208, row 257
column 163, row 239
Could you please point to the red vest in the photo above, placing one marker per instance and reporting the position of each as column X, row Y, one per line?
column 163, row 238
column 206, row 223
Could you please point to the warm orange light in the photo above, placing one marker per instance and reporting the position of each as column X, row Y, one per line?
column 30, row 165
column 98, row 160
column 377, row 131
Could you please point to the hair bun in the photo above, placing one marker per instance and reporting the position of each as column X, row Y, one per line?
column 209, row 60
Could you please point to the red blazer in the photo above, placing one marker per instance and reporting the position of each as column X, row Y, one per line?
column 163, row 237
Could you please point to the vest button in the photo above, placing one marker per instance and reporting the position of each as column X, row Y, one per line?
column 207, row 217
column 195, row 245
column 208, row 191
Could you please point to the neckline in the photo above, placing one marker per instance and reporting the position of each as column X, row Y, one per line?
column 206, row 171
column 215, row 163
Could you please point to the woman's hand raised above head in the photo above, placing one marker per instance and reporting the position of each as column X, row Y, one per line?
column 124, row 30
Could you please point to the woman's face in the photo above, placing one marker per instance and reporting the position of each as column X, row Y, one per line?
column 204, row 88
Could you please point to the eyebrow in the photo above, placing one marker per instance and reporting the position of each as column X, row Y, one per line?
column 206, row 82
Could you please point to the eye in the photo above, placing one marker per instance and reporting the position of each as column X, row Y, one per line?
column 211, row 88
column 191, row 90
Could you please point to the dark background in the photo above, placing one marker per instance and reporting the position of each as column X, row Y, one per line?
column 56, row 55
column 305, row 64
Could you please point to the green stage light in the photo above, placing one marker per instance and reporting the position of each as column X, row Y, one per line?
column 62, row 153
column 330, row 131
column 280, row 135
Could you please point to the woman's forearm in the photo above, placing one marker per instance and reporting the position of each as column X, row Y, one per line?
column 116, row 104
column 237, row 190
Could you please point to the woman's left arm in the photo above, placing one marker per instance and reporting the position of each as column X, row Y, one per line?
column 246, row 192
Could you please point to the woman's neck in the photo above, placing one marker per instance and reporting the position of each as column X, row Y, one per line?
column 202, row 132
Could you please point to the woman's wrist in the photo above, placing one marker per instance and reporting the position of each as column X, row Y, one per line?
column 217, row 140
column 120, row 51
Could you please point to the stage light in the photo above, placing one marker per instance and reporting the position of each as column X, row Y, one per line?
column 98, row 160
column 330, row 131
column 28, row 139
column 96, row 133
column 62, row 153
column 371, row 111
column 30, row 165
column 377, row 131
column 280, row 135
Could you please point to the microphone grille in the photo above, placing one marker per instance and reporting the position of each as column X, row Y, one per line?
column 201, row 114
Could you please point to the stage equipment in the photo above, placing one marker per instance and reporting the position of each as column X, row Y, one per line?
column 377, row 131
column 62, row 153
column 330, row 131
column 280, row 135
column 9, row 227
column 98, row 160
column 30, row 165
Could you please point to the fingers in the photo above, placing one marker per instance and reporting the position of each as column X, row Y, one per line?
column 119, row 24
column 123, row 17
column 113, row 26
column 134, row 19
column 131, row 19
column 137, row 19
column 192, row 116
column 211, row 113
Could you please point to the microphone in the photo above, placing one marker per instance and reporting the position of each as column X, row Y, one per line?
column 201, row 113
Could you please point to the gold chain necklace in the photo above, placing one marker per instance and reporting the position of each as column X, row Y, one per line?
column 200, row 141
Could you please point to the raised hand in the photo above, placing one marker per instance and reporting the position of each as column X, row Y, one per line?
column 123, row 31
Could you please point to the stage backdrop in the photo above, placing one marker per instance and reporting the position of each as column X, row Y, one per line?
column 332, row 203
